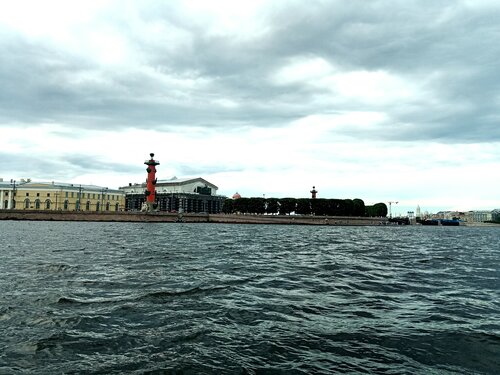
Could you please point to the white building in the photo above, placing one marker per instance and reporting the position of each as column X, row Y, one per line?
column 479, row 216
column 196, row 185
column 177, row 195
column 7, row 189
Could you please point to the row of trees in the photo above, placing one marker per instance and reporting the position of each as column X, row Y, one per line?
column 304, row 206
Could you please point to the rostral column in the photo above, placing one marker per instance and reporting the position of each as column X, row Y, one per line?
column 151, row 183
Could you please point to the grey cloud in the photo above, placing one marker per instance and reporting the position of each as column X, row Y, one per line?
column 200, row 170
column 414, row 40
column 69, row 167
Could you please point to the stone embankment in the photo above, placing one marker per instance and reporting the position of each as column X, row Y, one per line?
column 165, row 217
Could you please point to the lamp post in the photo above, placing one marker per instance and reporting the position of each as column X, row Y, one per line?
column 390, row 211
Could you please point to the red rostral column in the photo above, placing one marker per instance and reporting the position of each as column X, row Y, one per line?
column 151, row 182
column 313, row 192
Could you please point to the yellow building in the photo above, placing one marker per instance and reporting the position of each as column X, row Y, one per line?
column 28, row 195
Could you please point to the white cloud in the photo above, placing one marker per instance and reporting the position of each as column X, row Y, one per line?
column 303, row 70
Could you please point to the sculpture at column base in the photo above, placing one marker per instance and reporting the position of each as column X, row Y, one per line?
column 149, row 207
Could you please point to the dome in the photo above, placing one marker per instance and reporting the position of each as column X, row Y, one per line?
column 236, row 196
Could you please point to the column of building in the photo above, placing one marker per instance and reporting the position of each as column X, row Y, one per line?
column 10, row 194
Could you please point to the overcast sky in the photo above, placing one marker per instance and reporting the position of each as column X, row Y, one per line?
column 378, row 100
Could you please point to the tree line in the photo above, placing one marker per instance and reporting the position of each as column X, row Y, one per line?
column 303, row 206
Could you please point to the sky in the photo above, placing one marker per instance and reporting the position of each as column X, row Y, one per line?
column 387, row 101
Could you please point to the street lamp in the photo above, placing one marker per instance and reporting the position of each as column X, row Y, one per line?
column 390, row 212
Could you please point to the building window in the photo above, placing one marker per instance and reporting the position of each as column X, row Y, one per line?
column 93, row 196
column 27, row 194
column 66, row 194
column 72, row 194
column 97, row 206
column 37, row 194
column 48, row 194
column 37, row 204
column 107, row 206
column 117, row 206
column 66, row 203
column 87, row 207
column 47, row 204
column 26, row 203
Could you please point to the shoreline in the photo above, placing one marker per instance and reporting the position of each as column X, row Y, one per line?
column 166, row 217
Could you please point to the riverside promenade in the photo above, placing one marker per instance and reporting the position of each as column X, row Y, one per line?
column 164, row 217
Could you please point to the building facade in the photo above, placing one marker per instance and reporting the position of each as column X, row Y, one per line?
column 28, row 195
column 479, row 216
column 177, row 195
column 495, row 214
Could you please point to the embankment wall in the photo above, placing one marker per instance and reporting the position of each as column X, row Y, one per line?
column 187, row 218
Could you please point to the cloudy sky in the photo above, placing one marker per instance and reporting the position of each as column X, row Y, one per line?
column 379, row 100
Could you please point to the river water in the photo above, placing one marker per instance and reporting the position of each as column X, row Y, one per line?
column 112, row 298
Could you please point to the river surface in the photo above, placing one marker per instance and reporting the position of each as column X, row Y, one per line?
column 166, row 298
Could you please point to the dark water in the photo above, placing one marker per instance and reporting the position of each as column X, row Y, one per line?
column 243, row 299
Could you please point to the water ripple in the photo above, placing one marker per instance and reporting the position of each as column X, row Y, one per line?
column 113, row 298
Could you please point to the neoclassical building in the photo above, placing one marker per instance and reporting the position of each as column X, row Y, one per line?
column 29, row 195
column 177, row 195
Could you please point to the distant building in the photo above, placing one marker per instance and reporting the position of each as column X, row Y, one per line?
column 177, row 195
column 29, row 195
column 479, row 216
column 449, row 215
column 495, row 214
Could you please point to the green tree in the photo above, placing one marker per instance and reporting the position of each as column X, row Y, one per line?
column 272, row 205
column 335, row 207
column 377, row 210
column 256, row 205
column 227, row 207
column 348, row 207
column 319, row 206
column 304, row 206
column 287, row 205
column 358, row 207
column 241, row 205
column 380, row 209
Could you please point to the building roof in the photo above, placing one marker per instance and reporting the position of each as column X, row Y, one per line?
column 64, row 185
column 176, row 182
column 184, row 181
